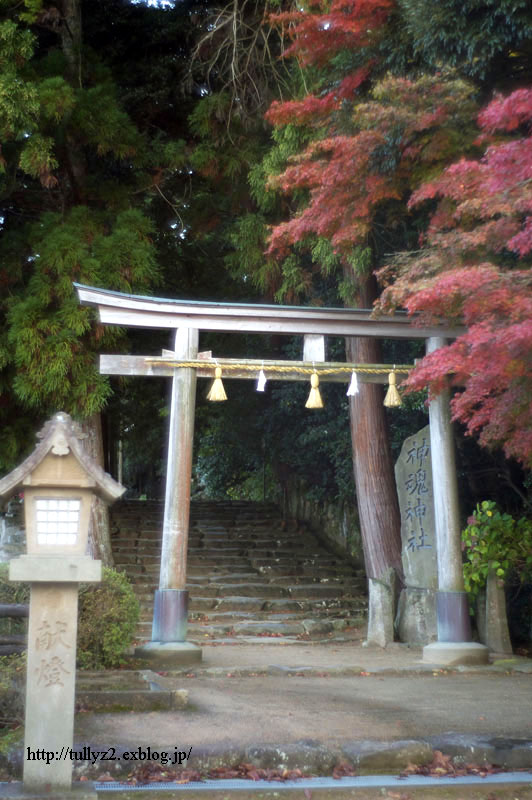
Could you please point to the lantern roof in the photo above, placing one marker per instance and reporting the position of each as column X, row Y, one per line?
column 61, row 436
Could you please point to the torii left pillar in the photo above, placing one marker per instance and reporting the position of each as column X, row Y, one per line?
column 170, row 612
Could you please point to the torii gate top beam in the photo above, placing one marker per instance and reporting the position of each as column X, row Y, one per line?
column 131, row 310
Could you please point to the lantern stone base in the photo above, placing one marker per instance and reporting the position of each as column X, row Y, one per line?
column 170, row 653
column 79, row 791
column 55, row 569
column 450, row 654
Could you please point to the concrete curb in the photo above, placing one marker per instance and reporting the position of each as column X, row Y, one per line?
column 313, row 757
column 343, row 672
column 363, row 788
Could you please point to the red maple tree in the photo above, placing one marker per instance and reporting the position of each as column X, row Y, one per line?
column 318, row 35
column 406, row 129
column 474, row 268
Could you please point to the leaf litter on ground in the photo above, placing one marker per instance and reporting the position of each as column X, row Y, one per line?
column 443, row 766
column 152, row 772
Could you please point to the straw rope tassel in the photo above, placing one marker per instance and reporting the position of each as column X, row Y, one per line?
column 217, row 391
column 393, row 398
column 314, row 398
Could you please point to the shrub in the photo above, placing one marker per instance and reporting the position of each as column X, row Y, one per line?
column 12, row 593
column 496, row 542
column 108, row 616
column 12, row 689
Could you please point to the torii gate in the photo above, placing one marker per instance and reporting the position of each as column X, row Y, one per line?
column 187, row 318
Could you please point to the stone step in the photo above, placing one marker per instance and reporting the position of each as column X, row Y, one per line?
column 243, row 590
column 247, row 575
column 267, row 608
column 149, row 536
column 304, row 626
column 135, row 570
column 145, row 589
column 205, row 616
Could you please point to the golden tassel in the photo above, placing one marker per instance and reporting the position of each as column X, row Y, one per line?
column 393, row 398
column 217, row 391
column 314, row 398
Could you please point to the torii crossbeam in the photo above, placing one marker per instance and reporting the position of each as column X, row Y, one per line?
column 187, row 318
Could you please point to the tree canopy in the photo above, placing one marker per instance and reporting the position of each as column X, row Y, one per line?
column 382, row 150
column 271, row 152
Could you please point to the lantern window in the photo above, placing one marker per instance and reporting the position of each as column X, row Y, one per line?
column 57, row 520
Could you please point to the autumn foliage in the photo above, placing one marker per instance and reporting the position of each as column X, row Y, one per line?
column 339, row 26
column 474, row 269
column 406, row 126
column 374, row 151
column 319, row 36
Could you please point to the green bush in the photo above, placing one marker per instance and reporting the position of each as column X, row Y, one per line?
column 12, row 690
column 496, row 542
column 107, row 617
column 12, row 593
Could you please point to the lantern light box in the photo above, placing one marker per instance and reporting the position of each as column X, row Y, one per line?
column 59, row 481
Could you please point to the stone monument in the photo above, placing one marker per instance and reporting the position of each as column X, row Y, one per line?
column 59, row 480
column 416, row 614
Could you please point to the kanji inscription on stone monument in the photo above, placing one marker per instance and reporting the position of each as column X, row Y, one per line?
column 413, row 474
column 418, row 489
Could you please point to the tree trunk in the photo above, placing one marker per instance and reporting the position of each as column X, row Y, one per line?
column 378, row 507
column 71, row 38
column 99, row 528
column 71, row 42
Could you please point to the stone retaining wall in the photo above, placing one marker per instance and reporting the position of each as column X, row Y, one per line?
column 336, row 522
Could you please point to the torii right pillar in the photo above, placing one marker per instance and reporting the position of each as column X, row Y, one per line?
column 454, row 645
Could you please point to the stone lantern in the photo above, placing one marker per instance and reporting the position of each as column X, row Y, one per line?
column 59, row 480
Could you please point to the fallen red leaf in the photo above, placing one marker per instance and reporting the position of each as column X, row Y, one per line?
column 442, row 765
column 343, row 769
column 105, row 777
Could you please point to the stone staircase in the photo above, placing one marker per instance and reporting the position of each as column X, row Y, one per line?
column 247, row 575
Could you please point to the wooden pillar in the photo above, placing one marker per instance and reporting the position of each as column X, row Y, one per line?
column 452, row 604
column 171, row 599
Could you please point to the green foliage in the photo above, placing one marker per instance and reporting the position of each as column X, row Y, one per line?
column 103, row 124
column 495, row 542
column 16, row 45
column 33, row 8
column 18, row 105
column 108, row 616
column 175, row 154
column 12, row 592
column 246, row 258
column 56, row 98
column 51, row 337
column 208, row 113
column 12, row 691
column 36, row 158
column 487, row 40
column 12, row 668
